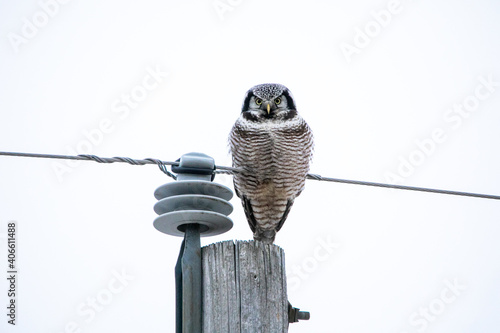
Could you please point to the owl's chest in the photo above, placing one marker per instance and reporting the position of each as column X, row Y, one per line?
column 267, row 141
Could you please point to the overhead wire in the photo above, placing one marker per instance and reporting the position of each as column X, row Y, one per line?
column 230, row 170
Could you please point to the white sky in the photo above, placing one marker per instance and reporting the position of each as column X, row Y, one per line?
column 390, row 251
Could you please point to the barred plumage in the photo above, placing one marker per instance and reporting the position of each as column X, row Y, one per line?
column 272, row 145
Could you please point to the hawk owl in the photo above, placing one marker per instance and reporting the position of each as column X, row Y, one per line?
column 272, row 146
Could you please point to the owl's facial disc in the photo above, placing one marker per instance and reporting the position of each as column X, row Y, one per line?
column 268, row 102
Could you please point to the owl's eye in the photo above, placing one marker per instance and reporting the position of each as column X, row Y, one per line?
column 277, row 101
column 258, row 101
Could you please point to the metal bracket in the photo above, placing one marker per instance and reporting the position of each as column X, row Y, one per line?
column 188, row 295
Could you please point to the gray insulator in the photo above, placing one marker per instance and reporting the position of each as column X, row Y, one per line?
column 193, row 202
column 193, row 199
column 193, row 187
column 211, row 223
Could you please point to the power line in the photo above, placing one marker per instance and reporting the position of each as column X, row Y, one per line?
column 229, row 170
column 403, row 187
column 84, row 157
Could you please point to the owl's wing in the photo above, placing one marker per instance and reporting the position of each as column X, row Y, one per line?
column 285, row 214
column 247, row 207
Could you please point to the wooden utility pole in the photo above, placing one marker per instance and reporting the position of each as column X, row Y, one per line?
column 244, row 288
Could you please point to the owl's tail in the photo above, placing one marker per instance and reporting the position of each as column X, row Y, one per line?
column 264, row 236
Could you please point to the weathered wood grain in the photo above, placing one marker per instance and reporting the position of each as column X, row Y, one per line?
column 244, row 288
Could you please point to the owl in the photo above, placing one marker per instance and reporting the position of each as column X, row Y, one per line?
column 271, row 145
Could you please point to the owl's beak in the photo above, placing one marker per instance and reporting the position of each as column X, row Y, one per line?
column 268, row 108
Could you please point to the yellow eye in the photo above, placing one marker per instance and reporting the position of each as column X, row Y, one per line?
column 277, row 101
column 258, row 101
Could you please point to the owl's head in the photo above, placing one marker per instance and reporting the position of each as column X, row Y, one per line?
column 268, row 101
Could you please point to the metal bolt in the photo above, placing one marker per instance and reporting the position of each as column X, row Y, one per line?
column 294, row 314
